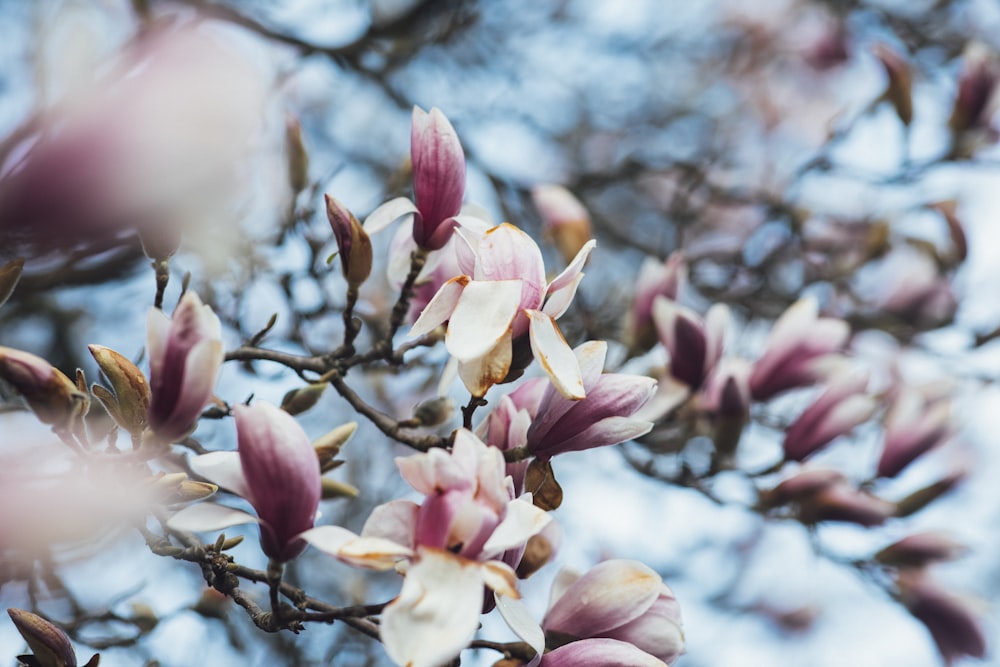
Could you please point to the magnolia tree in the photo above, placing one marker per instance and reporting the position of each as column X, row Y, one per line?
column 399, row 395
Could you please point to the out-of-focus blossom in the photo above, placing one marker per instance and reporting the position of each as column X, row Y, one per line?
column 799, row 344
column 353, row 242
column 914, row 424
column 830, row 48
column 438, row 183
column 276, row 469
column 53, row 397
column 564, row 219
column 502, row 296
column 921, row 549
column 695, row 345
column 155, row 142
column 129, row 405
column 951, row 620
column 975, row 99
column 449, row 546
column 604, row 417
column 899, row 90
column 185, row 354
column 914, row 290
column 655, row 279
column 599, row 653
column 506, row 426
column 956, row 230
column 727, row 389
column 617, row 599
column 821, row 494
column 49, row 645
column 842, row 406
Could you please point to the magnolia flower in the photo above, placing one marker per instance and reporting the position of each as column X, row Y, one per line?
column 53, row 397
column 913, row 425
column 50, row 645
column 799, row 343
column 841, row 407
column 695, row 345
column 822, row 494
column 185, row 354
column 352, row 241
column 449, row 546
column 502, row 296
column 275, row 469
column 599, row 653
column 604, row 417
column 438, row 183
column 950, row 619
column 727, row 389
column 655, row 279
column 564, row 219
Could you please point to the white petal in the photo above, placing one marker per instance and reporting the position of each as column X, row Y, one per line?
column 520, row 620
column 441, row 307
column 522, row 521
column 482, row 316
column 572, row 272
column 395, row 520
column 437, row 612
column 224, row 469
column 373, row 553
column 558, row 302
column 555, row 356
column 209, row 516
column 501, row 578
column 478, row 375
column 388, row 213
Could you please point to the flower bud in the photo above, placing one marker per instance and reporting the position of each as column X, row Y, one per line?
column 438, row 177
column 434, row 412
column 333, row 488
column 899, row 90
column 298, row 159
column 353, row 242
column 49, row 644
column 303, row 399
column 920, row 549
column 177, row 489
column 131, row 389
column 840, row 408
column 328, row 446
column 52, row 396
column 950, row 619
column 655, row 279
column 924, row 496
column 564, row 219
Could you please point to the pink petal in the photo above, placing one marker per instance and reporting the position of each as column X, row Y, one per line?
column 522, row 521
column 520, row 620
column 611, row 594
column 599, row 653
column 437, row 612
column 555, row 355
column 441, row 307
column 395, row 521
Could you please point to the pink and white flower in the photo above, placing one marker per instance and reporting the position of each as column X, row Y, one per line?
column 276, row 469
column 185, row 354
column 502, row 296
column 842, row 406
column 655, row 279
column 695, row 344
column 914, row 424
column 448, row 546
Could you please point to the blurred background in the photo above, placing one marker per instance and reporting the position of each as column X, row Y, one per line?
column 841, row 149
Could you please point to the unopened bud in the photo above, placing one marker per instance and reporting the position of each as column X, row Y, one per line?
column 231, row 543
column 10, row 273
column 176, row 488
column 143, row 617
column 899, row 90
column 298, row 158
column 212, row 604
column 537, row 552
column 434, row 412
column 130, row 389
column 300, row 400
column 328, row 446
column 52, row 396
column 334, row 489
column 923, row 497
column 564, row 218
column 920, row 549
column 352, row 239
column 49, row 644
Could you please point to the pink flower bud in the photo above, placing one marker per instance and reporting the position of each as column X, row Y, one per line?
column 799, row 342
column 695, row 345
column 727, row 389
column 623, row 600
column 438, row 177
column 840, row 408
column 655, row 279
column 921, row 549
column 564, row 219
column 282, row 476
column 913, row 426
column 353, row 242
column 52, row 396
column 950, row 619
column 844, row 502
column 49, row 644
column 185, row 354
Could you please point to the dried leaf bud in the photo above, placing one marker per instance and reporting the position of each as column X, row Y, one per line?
column 143, row 617
column 298, row 158
column 10, row 273
column 176, row 488
column 899, row 90
column 921, row 549
column 352, row 239
column 212, row 604
column 130, row 386
column 49, row 644
column 923, row 497
column 537, row 552
column 334, row 489
column 328, row 446
column 52, row 396
column 540, row 481
column 300, row 400
column 435, row 411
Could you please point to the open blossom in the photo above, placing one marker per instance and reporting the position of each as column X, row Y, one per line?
column 502, row 296
column 913, row 425
column 276, row 469
column 438, row 183
column 655, row 279
column 695, row 344
column 449, row 546
column 799, row 344
column 842, row 406
column 185, row 354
